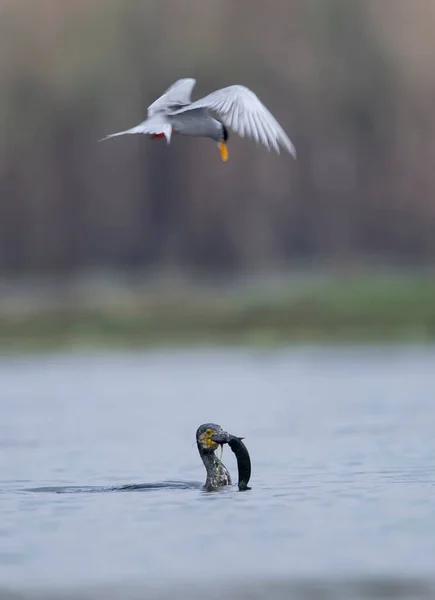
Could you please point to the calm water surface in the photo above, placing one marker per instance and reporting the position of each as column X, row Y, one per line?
column 342, row 446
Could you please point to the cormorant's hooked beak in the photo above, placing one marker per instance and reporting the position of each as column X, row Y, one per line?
column 224, row 150
column 223, row 437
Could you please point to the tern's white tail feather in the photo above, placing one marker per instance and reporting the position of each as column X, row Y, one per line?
column 150, row 127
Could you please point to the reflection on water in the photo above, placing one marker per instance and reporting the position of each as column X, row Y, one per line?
column 134, row 487
column 343, row 462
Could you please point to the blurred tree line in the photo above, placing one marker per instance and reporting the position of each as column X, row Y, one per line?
column 351, row 81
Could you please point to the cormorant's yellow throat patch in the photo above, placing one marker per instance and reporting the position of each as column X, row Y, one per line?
column 208, row 442
column 224, row 151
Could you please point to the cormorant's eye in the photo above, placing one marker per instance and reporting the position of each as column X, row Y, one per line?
column 209, row 432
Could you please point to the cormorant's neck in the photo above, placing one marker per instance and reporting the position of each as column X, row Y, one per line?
column 217, row 475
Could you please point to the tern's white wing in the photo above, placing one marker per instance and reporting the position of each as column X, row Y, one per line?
column 239, row 108
column 153, row 126
column 178, row 94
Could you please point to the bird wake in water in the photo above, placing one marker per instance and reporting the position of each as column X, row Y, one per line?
column 209, row 437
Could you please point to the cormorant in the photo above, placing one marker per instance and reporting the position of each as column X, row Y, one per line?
column 208, row 438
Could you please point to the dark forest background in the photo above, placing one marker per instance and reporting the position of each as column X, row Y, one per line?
column 134, row 241
column 352, row 83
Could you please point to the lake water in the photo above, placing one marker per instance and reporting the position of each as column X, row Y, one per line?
column 343, row 468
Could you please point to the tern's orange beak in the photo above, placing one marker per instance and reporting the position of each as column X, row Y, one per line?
column 224, row 151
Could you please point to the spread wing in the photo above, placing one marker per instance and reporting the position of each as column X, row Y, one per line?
column 239, row 108
column 177, row 95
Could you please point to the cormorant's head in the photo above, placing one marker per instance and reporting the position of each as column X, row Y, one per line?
column 204, row 434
